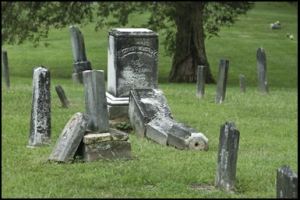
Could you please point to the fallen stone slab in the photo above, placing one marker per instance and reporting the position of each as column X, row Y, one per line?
column 70, row 138
column 158, row 129
column 145, row 105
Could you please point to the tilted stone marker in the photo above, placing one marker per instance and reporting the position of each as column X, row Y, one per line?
column 227, row 157
column 151, row 117
column 262, row 71
column 40, row 123
column 62, row 96
column 286, row 183
column 201, row 81
column 5, row 68
column 80, row 60
column 242, row 83
column 222, row 80
column 95, row 101
column 145, row 105
column 132, row 63
column 70, row 138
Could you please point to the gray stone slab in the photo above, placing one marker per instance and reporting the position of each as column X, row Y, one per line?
column 95, row 100
column 286, row 183
column 158, row 128
column 112, row 149
column 242, row 83
column 227, row 157
column 262, row 71
column 201, row 81
column 62, row 96
column 70, row 138
column 132, row 60
column 222, row 80
column 40, row 123
column 78, row 46
column 145, row 105
column 6, row 70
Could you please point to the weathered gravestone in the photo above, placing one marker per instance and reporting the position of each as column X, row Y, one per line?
column 222, row 80
column 201, row 81
column 242, row 83
column 151, row 117
column 40, row 123
column 286, row 183
column 132, row 63
column 62, row 96
column 227, row 157
column 100, row 141
column 262, row 71
column 70, row 138
column 80, row 61
column 95, row 101
column 5, row 68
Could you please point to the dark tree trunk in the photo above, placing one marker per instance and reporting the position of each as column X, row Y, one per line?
column 190, row 49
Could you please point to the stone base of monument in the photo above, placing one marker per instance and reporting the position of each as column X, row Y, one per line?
column 76, row 78
column 111, row 145
column 117, row 107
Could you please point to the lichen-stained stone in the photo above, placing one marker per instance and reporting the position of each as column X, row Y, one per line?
column 96, row 138
column 112, row 149
column 118, row 135
column 70, row 138
column 158, row 129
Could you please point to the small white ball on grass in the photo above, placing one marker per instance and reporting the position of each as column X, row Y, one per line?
column 291, row 37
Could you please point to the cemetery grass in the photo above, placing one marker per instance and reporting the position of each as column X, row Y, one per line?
column 267, row 123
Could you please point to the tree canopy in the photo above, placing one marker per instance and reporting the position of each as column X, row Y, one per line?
column 185, row 24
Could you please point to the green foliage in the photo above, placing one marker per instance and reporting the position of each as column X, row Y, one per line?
column 124, row 126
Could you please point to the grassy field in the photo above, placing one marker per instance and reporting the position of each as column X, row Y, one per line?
column 268, row 124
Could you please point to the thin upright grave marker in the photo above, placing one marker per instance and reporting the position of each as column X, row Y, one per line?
column 95, row 101
column 227, row 157
column 201, row 81
column 222, row 80
column 40, row 124
column 286, row 183
column 80, row 61
column 262, row 71
column 5, row 64
column 242, row 83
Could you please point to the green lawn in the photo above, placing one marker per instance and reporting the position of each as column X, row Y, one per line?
column 268, row 124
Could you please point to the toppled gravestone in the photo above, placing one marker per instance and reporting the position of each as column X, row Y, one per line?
column 151, row 117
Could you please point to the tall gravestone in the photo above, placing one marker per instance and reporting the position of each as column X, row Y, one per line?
column 40, row 124
column 262, row 71
column 227, row 157
column 201, row 81
column 286, row 183
column 95, row 101
column 80, row 60
column 5, row 64
column 132, row 63
column 222, row 80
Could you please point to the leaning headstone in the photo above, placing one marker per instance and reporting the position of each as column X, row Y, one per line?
column 5, row 64
column 145, row 105
column 201, row 81
column 132, row 63
column 95, row 101
column 227, row 157
column 40, row 124
column 286, row 183
column 242, row 83
column 70, row 138
column 222, row 80
column 80, row 61
column 262, row 71
column 62, row 96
